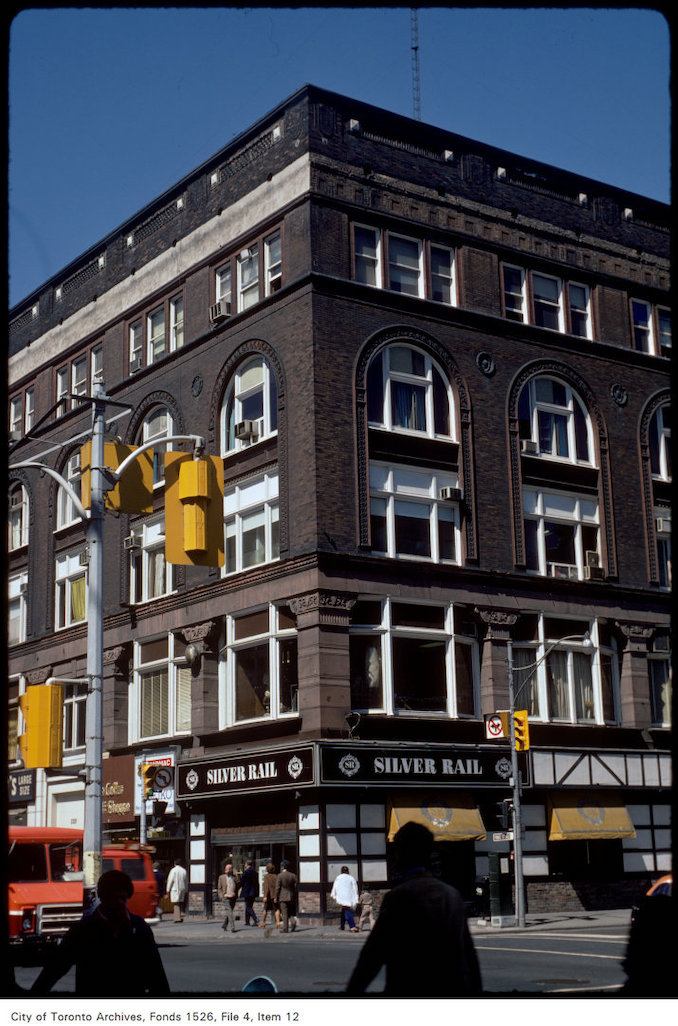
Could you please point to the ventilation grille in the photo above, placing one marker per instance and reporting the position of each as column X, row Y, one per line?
column 163, row 217
column 401, row 144
column 241, row 160
column 85, row 274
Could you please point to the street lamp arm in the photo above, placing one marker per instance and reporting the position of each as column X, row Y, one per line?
column 533, row 667
column 114, row 476
column 75, row 499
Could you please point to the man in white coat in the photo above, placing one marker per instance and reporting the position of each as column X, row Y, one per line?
column 177, row 887
column 345, row 893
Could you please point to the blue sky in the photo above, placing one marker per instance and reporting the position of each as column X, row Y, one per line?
column 109, row 107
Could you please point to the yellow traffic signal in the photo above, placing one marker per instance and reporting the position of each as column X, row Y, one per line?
column 148, row 779
column 194, row 510
column 134, row 491
column 521, row 730
column 42, row 707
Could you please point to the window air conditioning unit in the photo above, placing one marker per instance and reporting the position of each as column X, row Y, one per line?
column 592, row 558
column 246, row 430
column 594, row 573
column 135, row 365
column 131, row 542
column 529, row 447
column 663, row 525
column 23, row 588
column 564, row 571
column 220, row 311
column 449, row 494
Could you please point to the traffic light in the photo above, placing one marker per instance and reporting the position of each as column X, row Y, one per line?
column 133, row 492
column 42, row 706
column 148, row 780
column 505, row 814
column 521, row 731
column 194, row 510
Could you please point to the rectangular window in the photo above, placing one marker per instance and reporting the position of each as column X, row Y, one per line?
column 162, row 686
column 664, row 330
column 260, row 668
column 29, row 413
column 75, row 698
column 155, row 327
column 252, row 523
column 660, row 690
column 136, row 345
column 248, row 277
column 580, row 321
column 223, row 280
column 96, row 368
column 404, row 259
column 642, row 326
column 561, row 533
column 176, row 340
column 442, row 280
column 66, row 511
column 546, row 301
column 71, row 590
column 408, row 517
column 150, row 575
column 273, row 263
column 79, row 378
column 16, row 417
column 17, row 526
column 18, row 587
column 62, row 387
column 514, row 293
column 366, row 252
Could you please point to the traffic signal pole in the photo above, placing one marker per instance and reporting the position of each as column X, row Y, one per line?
column 92, row 836
column 517, row 810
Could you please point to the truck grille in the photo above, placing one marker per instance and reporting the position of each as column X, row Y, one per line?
column 54, row 920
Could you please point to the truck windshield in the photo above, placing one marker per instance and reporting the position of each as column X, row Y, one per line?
column 27, row 863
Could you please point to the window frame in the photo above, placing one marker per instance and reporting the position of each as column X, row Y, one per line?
column 394, row 493
column 555, row 410
column 274, row 638
column 237, row 395
column 653, row 659
column 17, row 517
column 66, row 513
column 75, row 701
column 63, row 588
column 381, row 263
column 577, row 521
column 160, row 446
column 178, row 680
column 151, row 534
column 146, row 347
column 267, row 277
column 391, row 376
column 75, row 376
column 660, row 445
column 387, row 631
column 237, row 512
column 17, row 590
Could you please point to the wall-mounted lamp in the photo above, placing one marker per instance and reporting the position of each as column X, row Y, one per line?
column 352, row 721
column 192, row 655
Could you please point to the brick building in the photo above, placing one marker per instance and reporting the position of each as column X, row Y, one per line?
column 438, row 374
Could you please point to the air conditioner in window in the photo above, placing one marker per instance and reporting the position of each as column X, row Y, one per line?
column 594, row 573
column 563, row 570
column 135, row 365
column 449, row 494
column 23, row 588
column 529, row 447
column 131, row 542
column 592, row 558
column 220, row 311
column 246, row 430
column 663, row 525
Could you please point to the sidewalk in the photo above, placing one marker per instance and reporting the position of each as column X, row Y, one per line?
column 199, row 929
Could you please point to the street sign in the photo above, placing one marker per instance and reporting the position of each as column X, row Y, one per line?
column 503, row 835
column 494, row 727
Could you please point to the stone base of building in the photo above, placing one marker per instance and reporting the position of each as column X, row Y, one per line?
column 583, row 896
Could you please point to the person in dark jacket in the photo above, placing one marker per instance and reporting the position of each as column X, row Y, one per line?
column 421, row 934
column 113, row 951
column 286, row 896
column 249, row 890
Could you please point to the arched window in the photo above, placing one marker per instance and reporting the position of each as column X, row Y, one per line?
column 18, row 517
column 250, row 411
column 553, row 422
column 660, row 443
column 407, row 391
column 66, row 511
column 157, row 425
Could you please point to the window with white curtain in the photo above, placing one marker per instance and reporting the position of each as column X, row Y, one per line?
column 409, row 659
column 150, row 575
column 557, row 678
column 553, row 418
column 252, row 523
column 161, row 689
column 408, row 392
column 258, row 668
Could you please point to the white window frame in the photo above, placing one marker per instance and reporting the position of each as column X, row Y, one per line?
column 585, row 312
column 393, row 265
column 425, row 382
column 160, row 448
column 273, row 265
column 553, row 306
column 79, row 378
column 62, row 387
column 267, row 424
column 515, row 311
column 248, row 287
column 375, row 262
column 255, row 497
column 176, row 323
column 274, row 637
column 538, row 676
column 642, row 331
column 664, row 335
column 395, row 487
column 29, row 409
column 17, row 518
column 16, row 415
column 555, row 410
column 535, row 509
column 96, row 367
column 156, row 334
column 143, row 566
column 386, row 632
column 450, row 279
column 68, row 571
column 75, row 701
column 17, row 607
column 652, row 659
column 66, row 511
column 663, row 537
column 178, row 684
column 663, row 445
column 224, row 283
column 136, row 342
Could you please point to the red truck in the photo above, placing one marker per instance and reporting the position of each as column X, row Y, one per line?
column 45, row 876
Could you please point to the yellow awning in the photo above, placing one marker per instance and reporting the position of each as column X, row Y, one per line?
column 455, row 820
column 577, row 817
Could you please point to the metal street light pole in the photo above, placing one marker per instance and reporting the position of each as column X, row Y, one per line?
column 515, row 770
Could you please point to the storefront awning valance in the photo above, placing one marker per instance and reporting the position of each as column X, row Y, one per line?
column 586, row 818
column 455, row 820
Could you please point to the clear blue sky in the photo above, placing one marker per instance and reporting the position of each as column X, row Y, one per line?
column 110, row 107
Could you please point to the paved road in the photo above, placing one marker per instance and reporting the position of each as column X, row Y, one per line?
column 558, row 954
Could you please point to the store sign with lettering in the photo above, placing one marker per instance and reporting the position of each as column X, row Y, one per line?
column 21, row 787
column 255, row 771
column 432, row 766
column 117, row 789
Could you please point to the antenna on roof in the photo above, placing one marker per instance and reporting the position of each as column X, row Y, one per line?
column 414, row 43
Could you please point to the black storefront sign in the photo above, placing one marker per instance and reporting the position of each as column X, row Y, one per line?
column 246, row 773
column 430, row 766
column 21, row 787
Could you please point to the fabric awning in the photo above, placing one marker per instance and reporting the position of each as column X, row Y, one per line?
column 455, row 820
column 588, row 818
